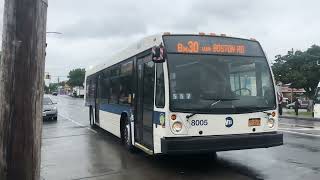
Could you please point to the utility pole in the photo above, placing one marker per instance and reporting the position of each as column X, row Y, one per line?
column 21, row 88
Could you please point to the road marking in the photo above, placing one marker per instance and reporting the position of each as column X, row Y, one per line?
column 300, row 127
column 77, row 123
column 297, row 125
column 306, row 129
column 300, row 133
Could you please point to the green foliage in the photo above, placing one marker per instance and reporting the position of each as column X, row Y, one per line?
column 62, row 83
column 53, row 87
column 300, row 69
column 46, row 88
column 76, row 77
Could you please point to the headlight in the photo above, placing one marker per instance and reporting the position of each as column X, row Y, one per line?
column 177, row 126
column 270, row 122
column 54, row 108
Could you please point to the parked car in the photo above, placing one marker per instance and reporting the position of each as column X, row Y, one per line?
column 303, row 105
column 55, row 93
column 285, row 101
column 50, row 110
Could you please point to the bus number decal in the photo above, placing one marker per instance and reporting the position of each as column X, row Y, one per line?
column 199, row 122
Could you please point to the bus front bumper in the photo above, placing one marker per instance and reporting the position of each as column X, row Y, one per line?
column 181, row 145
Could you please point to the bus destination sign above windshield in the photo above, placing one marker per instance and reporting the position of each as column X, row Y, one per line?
column 212, row 45
column 196, row 47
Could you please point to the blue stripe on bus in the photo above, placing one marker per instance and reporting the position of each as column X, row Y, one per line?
column 115, row 108
column 118, row 109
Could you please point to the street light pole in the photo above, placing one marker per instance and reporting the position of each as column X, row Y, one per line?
column 53, row 32
column 21, row 88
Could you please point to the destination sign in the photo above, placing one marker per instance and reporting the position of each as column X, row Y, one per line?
column 212, row 45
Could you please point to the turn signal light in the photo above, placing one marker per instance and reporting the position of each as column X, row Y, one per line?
column 223, row 35
column 173, row 117
column 273, row 114
column 202, row 33
column 213, row 34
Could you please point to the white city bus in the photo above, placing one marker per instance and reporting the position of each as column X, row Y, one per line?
column 316, row 106
column 173, row 94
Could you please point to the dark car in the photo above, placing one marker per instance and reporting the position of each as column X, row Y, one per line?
column 50, row 111
column 55, row 93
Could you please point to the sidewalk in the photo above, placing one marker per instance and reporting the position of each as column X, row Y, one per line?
column 303, row 115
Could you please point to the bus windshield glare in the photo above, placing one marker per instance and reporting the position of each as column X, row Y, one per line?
column 220, row 84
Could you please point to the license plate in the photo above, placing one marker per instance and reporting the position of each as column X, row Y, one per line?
column 254, row 122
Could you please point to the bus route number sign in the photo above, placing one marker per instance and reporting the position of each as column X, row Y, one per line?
column 196, row 47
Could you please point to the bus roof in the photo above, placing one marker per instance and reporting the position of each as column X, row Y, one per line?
column 138, row 47
column 132, row 50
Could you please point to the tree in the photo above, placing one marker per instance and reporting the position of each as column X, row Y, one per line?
column 53, row 87
column 46, row 88
column 62, row 83
column 300, row 69
column 76, row 77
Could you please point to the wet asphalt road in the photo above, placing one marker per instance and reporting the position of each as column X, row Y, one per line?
column 72, row 150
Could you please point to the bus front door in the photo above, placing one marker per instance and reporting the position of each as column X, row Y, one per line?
column 144, row 105
column 97, row 101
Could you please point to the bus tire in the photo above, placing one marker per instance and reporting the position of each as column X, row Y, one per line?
column 213, row 156
column 126, row 134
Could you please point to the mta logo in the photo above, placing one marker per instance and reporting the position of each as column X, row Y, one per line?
column 229, row 122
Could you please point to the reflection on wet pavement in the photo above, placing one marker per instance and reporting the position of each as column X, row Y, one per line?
column 71, row 151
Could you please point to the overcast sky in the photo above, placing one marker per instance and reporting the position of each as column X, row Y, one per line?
column 93, row 30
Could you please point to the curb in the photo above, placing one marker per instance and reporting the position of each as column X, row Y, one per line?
column 301, row 118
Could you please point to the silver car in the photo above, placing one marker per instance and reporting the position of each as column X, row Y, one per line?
column 303, row 105
column 50, row 111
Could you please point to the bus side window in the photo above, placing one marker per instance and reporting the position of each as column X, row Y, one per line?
column 125, row 83
column 160, row 96
column 105, row 84
column 114, row 85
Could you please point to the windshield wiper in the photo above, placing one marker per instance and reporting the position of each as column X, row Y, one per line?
column 190, row 115
column 216, row 101
column 254, row 109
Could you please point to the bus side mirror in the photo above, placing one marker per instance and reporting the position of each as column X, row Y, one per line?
column 159, row 54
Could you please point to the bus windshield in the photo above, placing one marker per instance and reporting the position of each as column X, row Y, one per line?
column 233, row 84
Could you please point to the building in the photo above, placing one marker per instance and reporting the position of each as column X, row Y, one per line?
column 291, row 93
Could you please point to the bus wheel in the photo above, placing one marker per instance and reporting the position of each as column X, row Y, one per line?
column 213, row 156
column 210, row 156
column 126, row 132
